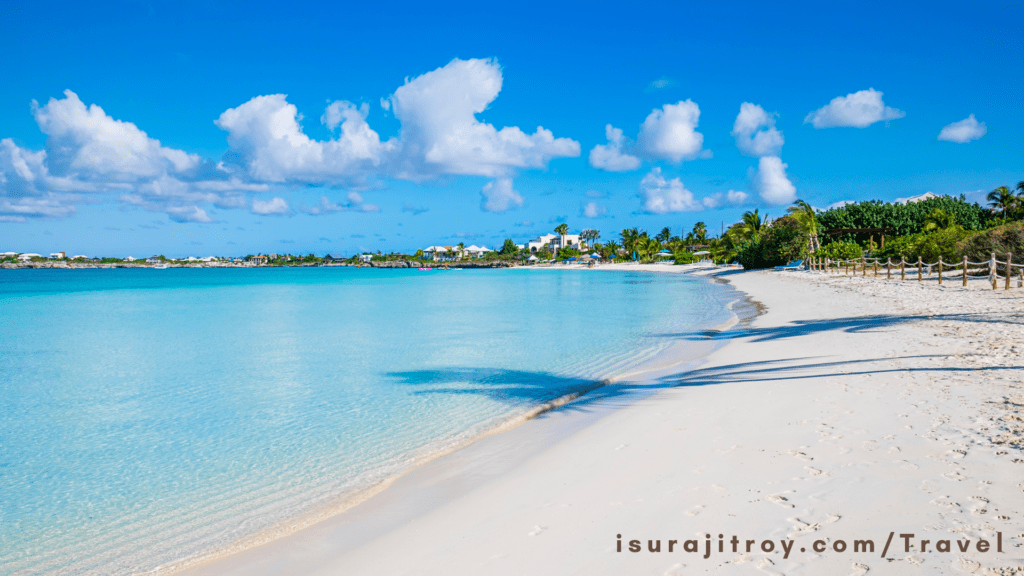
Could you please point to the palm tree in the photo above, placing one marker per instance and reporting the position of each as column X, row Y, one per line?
column 629, row 239
column 562, row 229
column 664, row 235
column 589, row 235
column 700, row 232
column 650, row 247
column 748, row 228
column 462, row 248
column 805, row 217
column 1001, row 198
column 610, row 249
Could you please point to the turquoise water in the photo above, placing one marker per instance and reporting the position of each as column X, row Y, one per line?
column 150, row 415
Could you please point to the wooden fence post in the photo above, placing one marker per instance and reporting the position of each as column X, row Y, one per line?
column 918, row 268
column 940, row 270
column 965, row 271
column 992, row 270
column 875, row 266
column 888, row 268
column 1009, row 268
column 863, row 266
column 903, row 268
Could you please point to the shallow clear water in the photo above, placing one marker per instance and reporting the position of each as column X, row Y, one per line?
column 149, row 415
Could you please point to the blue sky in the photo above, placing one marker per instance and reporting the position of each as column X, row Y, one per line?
column 227, row 128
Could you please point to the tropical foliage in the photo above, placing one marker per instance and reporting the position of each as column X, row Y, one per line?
column 776, row 244
column 1007, row 238
column 900, row 219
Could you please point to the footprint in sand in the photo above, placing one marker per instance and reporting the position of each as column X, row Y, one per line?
column 833, row 518
column 779, row 499
column 906, row 465
column 802, row 528
column 870, row 445
column 980, row 499
column 718, row 488
column 915, row 560
column 799, row 455
column 815, row 471
column 1004, row 518
column 694, row 511
column 965, row 565
column 536, row 530
column 741, row 559
column 859, row 570
column 893, row 450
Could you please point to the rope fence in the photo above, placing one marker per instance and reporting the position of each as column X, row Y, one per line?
column 993, row 271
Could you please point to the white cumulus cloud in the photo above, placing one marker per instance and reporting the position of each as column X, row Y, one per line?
column 266, row 139
column 273, row 207
column 671, row 133
column 771, row 182
column 614, row 156
column 755, row 132
column 963, row 131
column 90, row 153
column 499, row 196
column 441, row 134
column 857, row 110
column 593, row 210
column 662, row 196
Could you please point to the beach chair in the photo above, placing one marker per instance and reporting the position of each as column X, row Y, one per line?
column 792, row 266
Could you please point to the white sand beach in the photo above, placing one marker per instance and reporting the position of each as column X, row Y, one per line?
column 851, row 409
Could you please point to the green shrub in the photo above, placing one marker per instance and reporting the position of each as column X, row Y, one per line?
column 1007, row 238
column 905, row 219
column 684, row 257
column 780, row 244
column 928, row 246
column 840, row 251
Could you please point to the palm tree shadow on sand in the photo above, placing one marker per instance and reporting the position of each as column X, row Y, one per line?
column 854, row 324
column 519, row 387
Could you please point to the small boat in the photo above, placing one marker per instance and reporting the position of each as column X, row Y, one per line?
column 424, row 269
column 161, row 267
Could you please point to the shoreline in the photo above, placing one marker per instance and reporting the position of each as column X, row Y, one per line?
column 417, row 461
column 827, row 418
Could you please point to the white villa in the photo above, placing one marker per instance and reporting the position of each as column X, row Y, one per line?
column 554, row 242
column 913, row 199
column 441, row 253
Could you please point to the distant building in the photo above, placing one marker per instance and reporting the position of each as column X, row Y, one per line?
column 258, row 260
column 153, row 260
column 365, row 257
column 129, row 259
column 56, row 256
column 555, row 242
column 913, row 199
column 477, row 251
column 28, row 256
column 440, row 253
column 333, row 258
